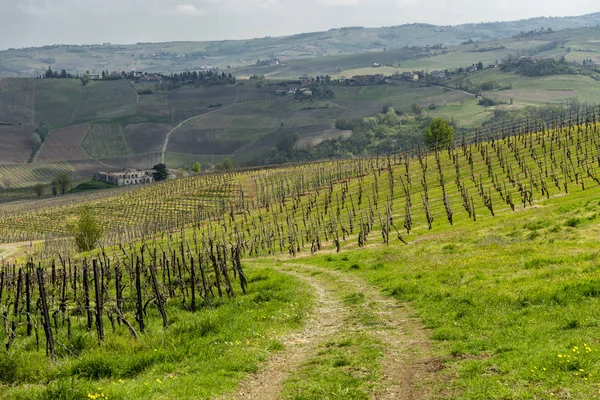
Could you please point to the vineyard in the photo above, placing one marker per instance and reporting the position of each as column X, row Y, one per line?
column 16, row 146
column 106, row 140
column 179, row 246
column 64, row 144
column 296, row 207
column 146, row 138
column 16, row 101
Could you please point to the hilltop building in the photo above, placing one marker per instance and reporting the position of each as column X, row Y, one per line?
column 127, row 177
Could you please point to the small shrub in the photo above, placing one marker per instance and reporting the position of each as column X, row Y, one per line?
column 573, row 222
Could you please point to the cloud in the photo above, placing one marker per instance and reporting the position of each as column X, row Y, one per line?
column 339, row 2
column 188, row 9
column 35, row 7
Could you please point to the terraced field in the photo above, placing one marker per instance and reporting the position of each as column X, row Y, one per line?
column 64, row 144
column 16, row 101
column 16, row 143
column 106, row 140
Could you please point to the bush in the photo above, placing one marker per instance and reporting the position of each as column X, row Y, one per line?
column 87, row 231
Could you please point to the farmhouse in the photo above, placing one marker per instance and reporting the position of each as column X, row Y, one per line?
column 305, row 80
column 149, row 79
column 410, row 76
column 438, row 74
column 127, row 177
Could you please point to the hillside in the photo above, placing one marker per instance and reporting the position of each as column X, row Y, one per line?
column 116, row 124
column 469, row 273
column 182, row 56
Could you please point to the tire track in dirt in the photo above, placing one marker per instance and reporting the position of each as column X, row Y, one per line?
column 327, row 319
column 408, row 369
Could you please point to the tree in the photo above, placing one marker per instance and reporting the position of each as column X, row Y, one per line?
column 439, row 134
column 416, row 108
column 196, row 167
column 226, row 164
column 85, row 79
column 62, row 182
column 87, row 231
column 38, row 189
column 6, row 182
column 36, row 141
column 161, row 172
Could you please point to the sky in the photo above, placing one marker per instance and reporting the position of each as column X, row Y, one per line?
column 25, row 23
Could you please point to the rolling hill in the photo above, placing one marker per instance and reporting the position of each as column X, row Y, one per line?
column 182, row 56
column 116, row 124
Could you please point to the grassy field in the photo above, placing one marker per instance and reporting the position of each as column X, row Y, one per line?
column 539, row 90
column 62, row 102
column 509, row 302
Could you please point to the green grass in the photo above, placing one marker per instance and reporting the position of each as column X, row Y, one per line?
column 510, row 302
column 200, row 355
column 91, row 185
column 62, row 102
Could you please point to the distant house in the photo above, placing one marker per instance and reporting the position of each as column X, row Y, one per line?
column 127, row 177
column 472, row 68
column 438, row 74
column 410, row 76
column 305, row 80
column 149, row 79
column 271, row 61
column 367, row 79
column 95, row 77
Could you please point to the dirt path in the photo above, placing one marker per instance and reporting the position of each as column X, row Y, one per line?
column 407, row 365
column 328, row 318
column 8, row 251
column 166, row 143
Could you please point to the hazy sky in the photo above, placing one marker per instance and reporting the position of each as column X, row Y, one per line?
column 39, row 22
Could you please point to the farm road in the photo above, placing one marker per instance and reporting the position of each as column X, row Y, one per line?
column 9, row 251
column 407, row 368
column 163, row 152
